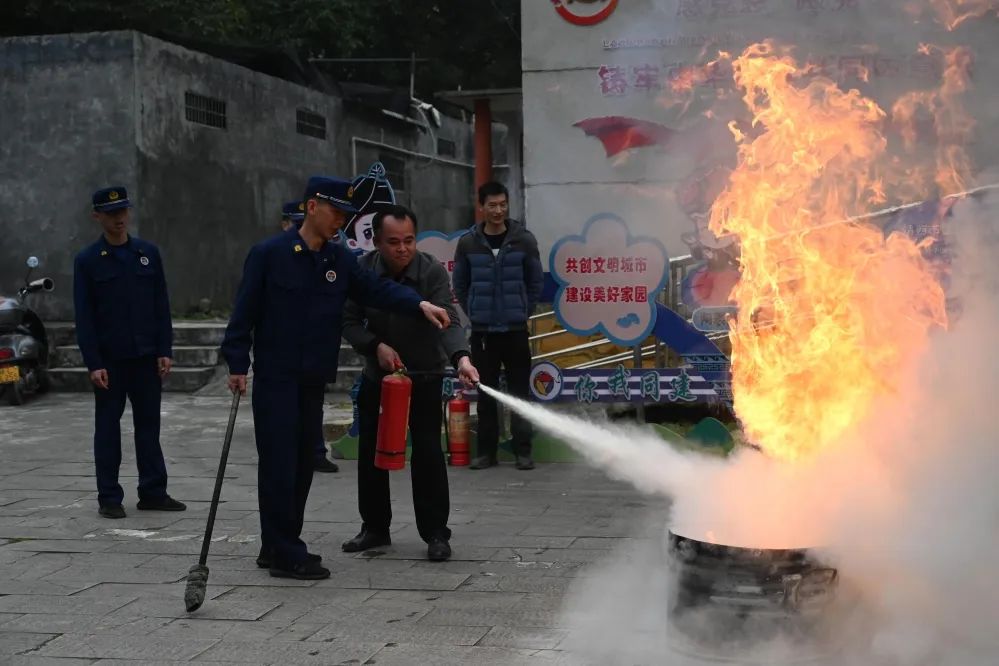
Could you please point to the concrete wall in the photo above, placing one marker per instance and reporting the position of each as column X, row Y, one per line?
column 438, row 188
column 569, row 177
column 82, row 111
column 209, row 194
column 217, row 192
column 67, row 127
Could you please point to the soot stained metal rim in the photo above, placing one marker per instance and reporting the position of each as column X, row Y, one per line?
column 723, row 598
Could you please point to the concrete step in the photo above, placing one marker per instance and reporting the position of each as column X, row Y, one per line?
column 186, row 333
column 196, row 357
column 194, row 344
column 180, row 380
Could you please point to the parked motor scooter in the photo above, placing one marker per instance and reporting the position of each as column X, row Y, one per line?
column 24, row 344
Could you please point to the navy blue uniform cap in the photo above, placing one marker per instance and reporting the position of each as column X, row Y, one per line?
column 111, row 198
column 294, row 210
column 338, row 193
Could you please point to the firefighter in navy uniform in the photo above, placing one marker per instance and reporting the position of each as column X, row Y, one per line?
column 288, row 310
column 125, row 334
column 292, row 216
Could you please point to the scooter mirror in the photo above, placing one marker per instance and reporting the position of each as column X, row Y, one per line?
column 41, row 284
column 32, row 262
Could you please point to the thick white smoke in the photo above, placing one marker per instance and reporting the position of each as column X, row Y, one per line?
column 906, row 506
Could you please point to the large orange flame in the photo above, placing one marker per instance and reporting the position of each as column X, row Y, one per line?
column 952, row 124
column 953, row 13
column 829, row 313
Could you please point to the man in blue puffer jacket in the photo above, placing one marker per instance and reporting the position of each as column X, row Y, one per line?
column 498, row 279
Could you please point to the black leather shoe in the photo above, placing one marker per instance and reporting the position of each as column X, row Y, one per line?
column 524, row 462
column 438, row 549
column 366, row 540
column 112, row 511
column 325, row 465
column 166, row 503
column 483, row 462
column 264, row 559
column 302, row 571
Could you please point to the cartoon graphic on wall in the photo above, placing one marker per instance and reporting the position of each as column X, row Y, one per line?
column 372, row 192
column 709, row 282
column 620, row 133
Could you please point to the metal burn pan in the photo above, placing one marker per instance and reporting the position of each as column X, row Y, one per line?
column 724, row 594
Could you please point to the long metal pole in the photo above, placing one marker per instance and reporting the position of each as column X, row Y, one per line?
column 638, row 366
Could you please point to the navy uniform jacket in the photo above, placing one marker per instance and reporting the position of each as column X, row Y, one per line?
column 120, row 297
column 289, row 306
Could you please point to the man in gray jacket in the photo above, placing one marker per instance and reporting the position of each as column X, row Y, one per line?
column 388, row 340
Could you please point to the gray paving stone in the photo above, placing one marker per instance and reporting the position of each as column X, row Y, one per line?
column 521, row 540
column 524, row 555
column 195, row 627
column 60, row 545
column 413, row 551
column 321, row 654
column 14, row 642
column 137, row 590
column 154, row 662
column 599, row 543
column 316, row 595
column 288, row 612
column 369, row 612
column 457, row 599
column 416, row 581
column 85, row 574
column 491, row 617
column 124, row 647
column 29, row 660
column 550, row 585
column 41, row 587
column 399, row 632
column 523, row 637
column 298, row 631
column 407, row 655
column 185, row 544
column 254, row 577
column 7, row 617
column 59, row 623
column 27, row 603
column 214, row 610
column 498, row 540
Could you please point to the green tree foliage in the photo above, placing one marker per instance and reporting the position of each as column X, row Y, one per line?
column 469, row 43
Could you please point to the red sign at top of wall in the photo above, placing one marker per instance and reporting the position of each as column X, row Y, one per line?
column 584, row 12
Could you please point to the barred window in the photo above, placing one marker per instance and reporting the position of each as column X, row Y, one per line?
column 310, row 124
column 204, row 110
column 446, row 147
column 395, row 171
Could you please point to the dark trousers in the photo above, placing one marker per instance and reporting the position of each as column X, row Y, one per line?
column 138, row 380
column 287, row 419
column 427, row 466
column 511, row 352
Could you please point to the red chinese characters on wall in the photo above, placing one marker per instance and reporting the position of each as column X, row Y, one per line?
column 626, row 294
column 651, row 79
column 589, row 265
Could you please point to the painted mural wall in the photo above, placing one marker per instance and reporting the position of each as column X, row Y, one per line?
column 627, row 103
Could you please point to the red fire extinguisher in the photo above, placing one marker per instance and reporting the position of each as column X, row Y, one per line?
column 393, row 421
column 458, row 430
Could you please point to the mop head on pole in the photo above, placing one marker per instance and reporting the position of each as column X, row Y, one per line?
column 197, row 585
